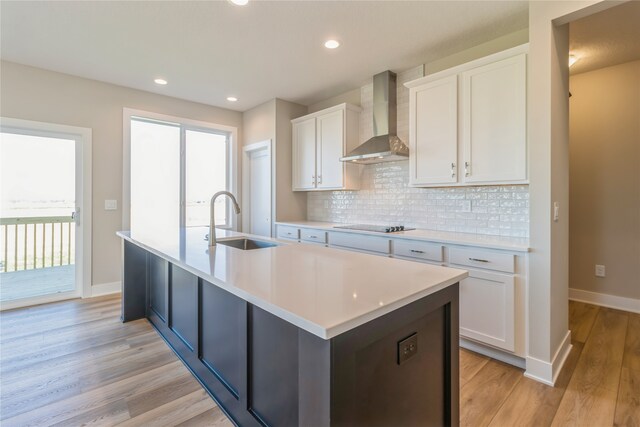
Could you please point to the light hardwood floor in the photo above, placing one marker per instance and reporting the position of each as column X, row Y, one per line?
column 74, row 363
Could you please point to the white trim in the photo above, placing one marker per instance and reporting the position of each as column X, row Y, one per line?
column 547, row 372
column 500, row 355
column 83, row 138
column 43, row 299
column 508, row 53
column 106, row 289
column 189, row 124
column 605, row 300
column 246, row 181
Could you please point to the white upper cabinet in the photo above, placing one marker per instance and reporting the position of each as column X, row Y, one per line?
column 468, row 124
column 434, row 132
column 329, row 149
column 319, row 141
column 494, row 130
column 304, row 154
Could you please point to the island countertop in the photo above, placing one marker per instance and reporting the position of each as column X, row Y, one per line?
column 324, row 291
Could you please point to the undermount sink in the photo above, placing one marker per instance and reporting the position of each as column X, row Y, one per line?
column 246, row 244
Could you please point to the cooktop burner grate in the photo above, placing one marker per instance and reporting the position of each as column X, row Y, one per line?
column 375, row 228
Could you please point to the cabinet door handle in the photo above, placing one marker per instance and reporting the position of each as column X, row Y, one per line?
column 415, row 251
column 466, row 169
column 453, row 170
column 478, row 260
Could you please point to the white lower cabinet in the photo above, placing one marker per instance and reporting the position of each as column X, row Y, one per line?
column 362, row 243
column 492, row 298
column 488, row 309
column 286, row 232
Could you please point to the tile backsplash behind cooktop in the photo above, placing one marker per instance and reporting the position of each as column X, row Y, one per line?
column 386, row 198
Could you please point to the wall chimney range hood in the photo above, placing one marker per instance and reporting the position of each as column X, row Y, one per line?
column 385, row 146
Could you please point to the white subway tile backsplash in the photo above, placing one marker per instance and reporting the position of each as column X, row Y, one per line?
column 385, row 196
column 483, row 210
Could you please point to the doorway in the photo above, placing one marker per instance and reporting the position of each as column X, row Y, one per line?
column 44, row 212
column 257, row 189
column 604, row 180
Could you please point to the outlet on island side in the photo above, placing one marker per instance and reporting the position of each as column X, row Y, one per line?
column 600, row 270
column 407, row 348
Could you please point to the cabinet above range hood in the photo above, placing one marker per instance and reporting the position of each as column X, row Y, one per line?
column 385, row 146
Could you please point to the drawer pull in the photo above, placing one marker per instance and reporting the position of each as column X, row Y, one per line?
column 313, row 237
column 289, row 233
column 416, row 251
column 478, row 260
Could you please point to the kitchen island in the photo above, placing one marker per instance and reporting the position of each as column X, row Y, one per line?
column 298, row 334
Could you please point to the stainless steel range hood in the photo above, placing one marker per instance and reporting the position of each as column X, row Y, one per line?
column 385, row 146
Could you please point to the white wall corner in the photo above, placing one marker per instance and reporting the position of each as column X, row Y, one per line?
column 547, row 372
column 105, row 289
column 605, row 300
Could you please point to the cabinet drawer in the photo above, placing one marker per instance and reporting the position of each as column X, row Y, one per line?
column 487, row 309
column 286, row 232
column 482, row 259
column 315, row 236
column 363, row 243
column 420, row 250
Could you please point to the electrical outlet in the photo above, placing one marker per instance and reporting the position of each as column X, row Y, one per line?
column 110, row 205
column 407, row 348
column 600, row 271
column 326, row 204
column 556, row 211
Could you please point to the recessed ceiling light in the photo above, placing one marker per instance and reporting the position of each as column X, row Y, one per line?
column 572, row 60
column 160, row 82
column 239, row 2
column 331, row 44
column 232, row 98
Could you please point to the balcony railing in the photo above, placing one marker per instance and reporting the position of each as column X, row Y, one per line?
column 36, row 242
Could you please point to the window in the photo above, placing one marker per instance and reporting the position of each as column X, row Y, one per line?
column 175, row 167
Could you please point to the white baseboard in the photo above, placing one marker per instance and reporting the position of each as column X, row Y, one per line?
column 105, row 289
column 493, row 353
column 605, row 300
column 547, row 372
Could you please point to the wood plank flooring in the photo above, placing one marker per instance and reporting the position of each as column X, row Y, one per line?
column 74, row 363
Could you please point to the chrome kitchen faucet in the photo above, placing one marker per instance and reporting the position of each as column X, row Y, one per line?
column 212, row 221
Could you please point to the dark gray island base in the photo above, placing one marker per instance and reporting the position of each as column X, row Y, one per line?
column 265, row 371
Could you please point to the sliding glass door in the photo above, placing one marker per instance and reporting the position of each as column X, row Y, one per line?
column 155, row 175
column 175, row 168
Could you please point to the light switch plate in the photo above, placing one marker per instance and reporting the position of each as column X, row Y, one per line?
column 110, row 205
column 600, row 270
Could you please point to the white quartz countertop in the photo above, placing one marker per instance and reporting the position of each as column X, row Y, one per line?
column 324, row 291
column 517, row 244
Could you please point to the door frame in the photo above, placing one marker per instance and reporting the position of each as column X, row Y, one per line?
column 83, row 138
column 247, row 151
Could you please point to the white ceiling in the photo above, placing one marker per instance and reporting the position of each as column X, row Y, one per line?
column 209, row 50
column 606, row 38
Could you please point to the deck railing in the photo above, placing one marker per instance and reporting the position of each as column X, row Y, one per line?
column 36, row 242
